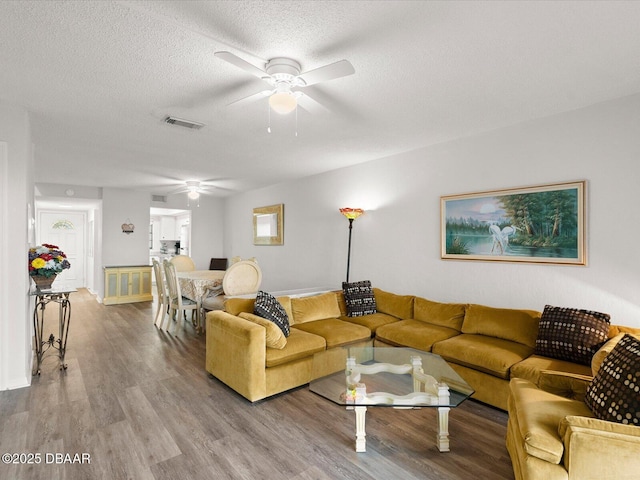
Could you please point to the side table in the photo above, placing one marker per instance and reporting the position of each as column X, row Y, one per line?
column 43, row 298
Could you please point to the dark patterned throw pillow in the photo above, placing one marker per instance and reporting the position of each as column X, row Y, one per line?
column 359, row 298
column 614, row 393
column 571, row 334
column 267, row 306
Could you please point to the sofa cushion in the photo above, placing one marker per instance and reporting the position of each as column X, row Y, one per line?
column 531, row 367
column 414, row 333
column 317, row 307
column 571, row 334
column 509, row 324
column 274, row 336
column 491, row 355
column 539, row 414
column 448, row 315
column 614, row 393
column 236, row 305
column 335, row 332
column 268, row 307
column 299, row 345
column 359, row 298
column 373, row 321
column 400, row 306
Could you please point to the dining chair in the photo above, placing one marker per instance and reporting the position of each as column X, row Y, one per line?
column 183, row 263
column 218, row 264
column 163, row 295
column 241, row 278
column 178, row 305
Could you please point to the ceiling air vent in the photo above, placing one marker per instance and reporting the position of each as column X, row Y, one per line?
column 158, row 198
column 181, row 122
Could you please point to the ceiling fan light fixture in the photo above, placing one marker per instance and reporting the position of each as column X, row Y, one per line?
column 193, row 195
column 283, row 102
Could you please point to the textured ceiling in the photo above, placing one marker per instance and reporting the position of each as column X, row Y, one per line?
column 99, row 77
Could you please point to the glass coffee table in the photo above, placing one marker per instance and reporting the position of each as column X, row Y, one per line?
column 401, row 378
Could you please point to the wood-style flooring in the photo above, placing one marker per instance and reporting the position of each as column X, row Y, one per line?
column 139, row 402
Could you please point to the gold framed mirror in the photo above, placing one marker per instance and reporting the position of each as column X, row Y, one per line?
column 268, row 225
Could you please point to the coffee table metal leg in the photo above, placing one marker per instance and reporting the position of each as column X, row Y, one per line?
column 443, row 429
column 361, row 441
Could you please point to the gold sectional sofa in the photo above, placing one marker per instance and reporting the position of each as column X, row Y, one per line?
column 487, row 346
column 551, row 433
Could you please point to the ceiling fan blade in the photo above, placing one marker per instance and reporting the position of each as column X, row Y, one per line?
column 178, row 190
column 328, row 72
column 243, row 64
column 252, row 98
column 309, row 104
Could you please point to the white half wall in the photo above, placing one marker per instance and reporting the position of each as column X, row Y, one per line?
column 396, row 244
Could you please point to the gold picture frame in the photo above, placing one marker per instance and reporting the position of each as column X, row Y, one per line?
column 268, row 225
column 538, row 224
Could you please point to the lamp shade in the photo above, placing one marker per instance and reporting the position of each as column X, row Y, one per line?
column 351, row 213
column 283, row 102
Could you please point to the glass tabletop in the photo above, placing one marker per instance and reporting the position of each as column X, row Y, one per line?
column 55, row 290
column 383, row 376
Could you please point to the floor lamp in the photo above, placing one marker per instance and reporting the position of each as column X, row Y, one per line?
column 351, row 214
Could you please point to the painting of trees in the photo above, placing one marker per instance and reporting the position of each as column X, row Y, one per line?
column 531, row 224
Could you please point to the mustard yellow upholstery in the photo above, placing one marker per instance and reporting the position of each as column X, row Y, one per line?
column 236, row 305
column 317, row 307
column 509, row 324
column 372, row 321
column 299, row 345
column 274, row 337
column 486, row 346
column 448, row 315
column 530, row 367
column 414, row 334
column 550, row 436
column 399, row 306
column 335, row 332
column 491, row 355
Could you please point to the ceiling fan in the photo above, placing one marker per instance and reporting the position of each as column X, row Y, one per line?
column 284, row 77
column 194, row 188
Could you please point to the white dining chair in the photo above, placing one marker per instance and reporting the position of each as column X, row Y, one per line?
column 178, row 305
column 241, row 278
column 163, row 295
column 183, row 263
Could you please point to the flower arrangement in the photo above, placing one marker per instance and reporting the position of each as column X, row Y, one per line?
column 47, row 260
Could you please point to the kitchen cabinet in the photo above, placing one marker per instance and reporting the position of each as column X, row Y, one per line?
column 127, row 284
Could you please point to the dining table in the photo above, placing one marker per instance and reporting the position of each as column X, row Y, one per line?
column 197, row 285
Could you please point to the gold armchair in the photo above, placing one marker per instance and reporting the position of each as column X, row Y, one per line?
column 552, row 434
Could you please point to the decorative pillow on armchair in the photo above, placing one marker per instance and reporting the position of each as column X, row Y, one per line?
column 614, row 393
column 267, row 306
column 359, row 298
column 571, row 334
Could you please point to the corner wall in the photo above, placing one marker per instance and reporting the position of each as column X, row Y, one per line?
column 396, row 244
column 16, row 197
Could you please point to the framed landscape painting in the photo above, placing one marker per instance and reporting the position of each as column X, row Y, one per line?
column 541, row 224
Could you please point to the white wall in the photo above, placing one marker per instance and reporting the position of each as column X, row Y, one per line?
column 16, row 200
column 125, row 206
column 396, row 244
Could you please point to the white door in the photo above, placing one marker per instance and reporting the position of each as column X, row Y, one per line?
column 66, row 230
